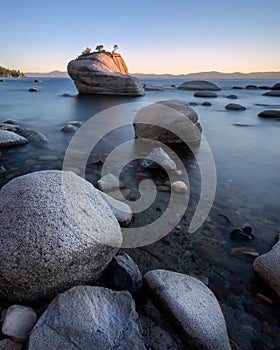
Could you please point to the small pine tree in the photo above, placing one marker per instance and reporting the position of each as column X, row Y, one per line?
column 99, row 48
column 115, row 48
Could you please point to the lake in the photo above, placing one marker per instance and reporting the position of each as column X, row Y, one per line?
column 247, row 159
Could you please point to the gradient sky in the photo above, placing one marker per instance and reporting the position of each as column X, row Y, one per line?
column 154, row 36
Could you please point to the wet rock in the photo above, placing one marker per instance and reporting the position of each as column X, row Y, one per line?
column 69, row 128
column 88, row 318
column 207, row 104
column 191, row 306
column 18, row 323
column 251, row 87
column 237, row 87
column 108, row 182
column 244, row 252
column 268, row 267
column 33, row 136
column 9, row 127
column 37, row 81
column 9, row 138
column 207, row 94
column 10, row 121
column 276, row 86
column 264, row 87
column 199, row 85
column 124, row 273
column 232, row 97
column 33, row 89
column 242, row 234
column 235, row 107
column 192, row 104
column 148, row 87
column 56, row 231
column 179, row 186
column 158, row 157
column 122, row 211
column 271, row 113
column 8, row 344
column 275, row 93
column 68, row 95
column 168, row 121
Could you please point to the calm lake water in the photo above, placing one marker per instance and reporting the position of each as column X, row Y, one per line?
column 247, row 160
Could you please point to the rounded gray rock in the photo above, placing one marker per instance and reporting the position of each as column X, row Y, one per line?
column 88, row 318
column 199, row 85
column 9, row 138
column 191, row 306
column 275, row 93
column 33, row 136
column 165, row 120
column 56, row 231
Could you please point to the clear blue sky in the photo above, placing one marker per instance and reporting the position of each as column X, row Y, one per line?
column 159, row 36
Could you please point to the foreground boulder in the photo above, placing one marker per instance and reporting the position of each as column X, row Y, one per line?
column 268, row 267
column 191, row 306
column 88, row 318
column 104, row 73
column 56, row 231
column 199, row 85
column 166, row 120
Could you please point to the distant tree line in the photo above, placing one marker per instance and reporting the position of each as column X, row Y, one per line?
column 10, row 73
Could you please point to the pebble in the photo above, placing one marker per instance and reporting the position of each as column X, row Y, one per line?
column 18, row 323
column 179, row 187
column 244, row 251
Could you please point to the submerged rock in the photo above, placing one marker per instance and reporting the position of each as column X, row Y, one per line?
column 232, row 97
column 243, row 234
column 9, row 138
column 33, row 136
column 8, row 344
column 165, row 120
column 208, row 94
column 179, row 186
column 275, row 93
column 56, row 231
column 89, row 318
column 148, row 87
column 108, row 182
column 199, row 85
column 104, row 73
column 33, row 89
column 68, row 128
column 268, row 267
column 270, row 113
column 191, row 306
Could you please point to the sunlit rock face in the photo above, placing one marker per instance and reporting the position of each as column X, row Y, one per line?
column 103, row 73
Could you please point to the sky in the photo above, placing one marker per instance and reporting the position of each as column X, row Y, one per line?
column 154, row 36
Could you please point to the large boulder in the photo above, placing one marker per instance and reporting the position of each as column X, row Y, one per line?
column 56, row 231
column 88, row 318
column 199, row 85
column 268, row 267
column 103, row 73
column 191, row 306
column 165, row 120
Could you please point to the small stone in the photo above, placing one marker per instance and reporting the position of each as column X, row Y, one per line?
column 37, row 81
column 124, row 273
column 264, row 299
column 108, row 182
column 274, row 93
column 159, row 157
column 232, row 97
column 9, row 127
column 179, row 186
column 18, row 323
column 68, row 128
column 251, row 87
column 244, row 251
column 207, row 104
column 33, row 90
column 33, row 136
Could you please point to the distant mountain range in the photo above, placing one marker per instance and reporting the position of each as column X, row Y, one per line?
column 201, row 75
